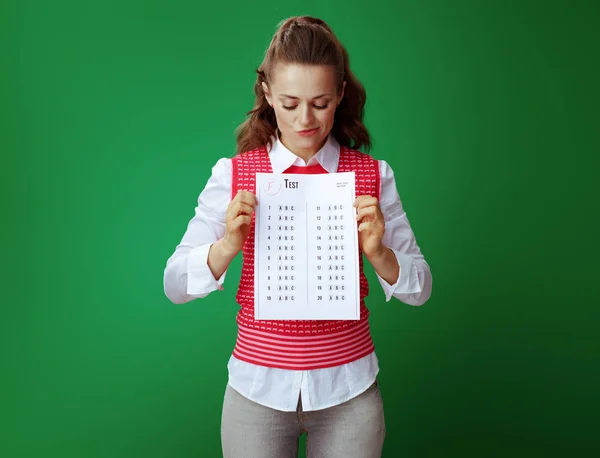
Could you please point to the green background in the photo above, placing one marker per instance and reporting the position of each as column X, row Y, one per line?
column 112, row 115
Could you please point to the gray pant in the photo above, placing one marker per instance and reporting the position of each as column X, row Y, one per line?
column 355, row 428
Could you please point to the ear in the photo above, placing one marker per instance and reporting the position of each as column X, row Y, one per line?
column 267, row 92
column 342, row 93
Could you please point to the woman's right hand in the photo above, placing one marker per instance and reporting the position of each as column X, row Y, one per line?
column 238, row 220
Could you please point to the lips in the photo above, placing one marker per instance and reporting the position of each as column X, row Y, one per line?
column 308, row 131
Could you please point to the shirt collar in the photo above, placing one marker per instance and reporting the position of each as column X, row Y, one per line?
column 282, row 158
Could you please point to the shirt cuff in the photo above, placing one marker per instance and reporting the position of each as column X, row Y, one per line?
column 200, row 279
column 408, row 280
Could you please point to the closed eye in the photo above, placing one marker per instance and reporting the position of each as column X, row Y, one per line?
column 318, row 107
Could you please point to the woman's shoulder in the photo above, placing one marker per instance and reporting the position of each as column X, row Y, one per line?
column 251, row 153
column 251, row 157
column 225, row 163
column 349, row 153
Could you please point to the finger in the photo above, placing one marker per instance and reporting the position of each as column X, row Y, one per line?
column 245, row 196
column 364, row 227
column 358, row 200
column 236, row 208
column 241, row 208
column 371, row 227
column 362, row 201
column 367, row 211
column 240, row 221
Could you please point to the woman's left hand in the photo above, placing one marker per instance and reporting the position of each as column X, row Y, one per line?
column 370, row 226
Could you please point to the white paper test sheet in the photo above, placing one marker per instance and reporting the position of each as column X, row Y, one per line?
column 306, row 247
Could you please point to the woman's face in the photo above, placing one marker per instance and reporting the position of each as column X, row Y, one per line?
column 304, row 98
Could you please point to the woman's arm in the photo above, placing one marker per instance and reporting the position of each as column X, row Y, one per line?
column 391, row 245
column 187, row 275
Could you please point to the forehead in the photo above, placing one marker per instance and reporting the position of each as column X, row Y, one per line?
column 303, row 81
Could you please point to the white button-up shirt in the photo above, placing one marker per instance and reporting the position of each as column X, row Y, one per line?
column 188, row 277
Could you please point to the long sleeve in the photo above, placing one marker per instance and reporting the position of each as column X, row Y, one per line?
column 187, row 275
column 414, row 284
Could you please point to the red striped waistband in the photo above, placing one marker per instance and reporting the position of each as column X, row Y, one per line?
column 301, row 351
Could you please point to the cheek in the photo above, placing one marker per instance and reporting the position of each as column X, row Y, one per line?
column 283, row 117
column 327, row 117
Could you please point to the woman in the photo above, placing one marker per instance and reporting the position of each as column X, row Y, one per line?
column 307, row 119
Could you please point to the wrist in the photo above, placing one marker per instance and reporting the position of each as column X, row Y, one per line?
column 226, row 248
column 378, row 255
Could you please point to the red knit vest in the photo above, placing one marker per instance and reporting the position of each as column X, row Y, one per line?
column 299, row 344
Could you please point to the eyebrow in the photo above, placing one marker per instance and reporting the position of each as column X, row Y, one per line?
column 296, row 98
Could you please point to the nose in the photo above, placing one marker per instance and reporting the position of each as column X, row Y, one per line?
column 305, row 116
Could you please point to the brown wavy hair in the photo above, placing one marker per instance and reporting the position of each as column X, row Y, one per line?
column 306, row 40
